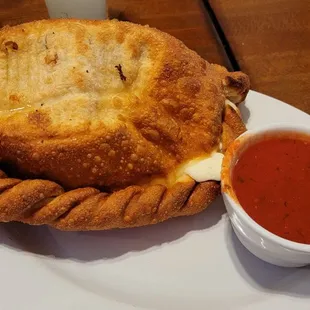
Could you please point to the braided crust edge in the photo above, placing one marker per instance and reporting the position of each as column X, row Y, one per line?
column 39, row 202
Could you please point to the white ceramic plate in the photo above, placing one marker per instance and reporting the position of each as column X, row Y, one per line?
column 186, row 263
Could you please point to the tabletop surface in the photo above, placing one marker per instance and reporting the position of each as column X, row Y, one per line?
column 267, row 39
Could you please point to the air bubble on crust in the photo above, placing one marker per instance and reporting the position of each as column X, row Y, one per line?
column 104, row 146
column 35, row 156
column 140, row 149
column 125, row 143
column 97, row 159
column 127, row 219
column 134, row 157
column 111, row 153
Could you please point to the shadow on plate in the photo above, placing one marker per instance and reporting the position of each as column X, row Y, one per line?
column 266, row 277
column 91, row 246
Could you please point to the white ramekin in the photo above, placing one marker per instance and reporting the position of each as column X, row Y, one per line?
column 259, row 241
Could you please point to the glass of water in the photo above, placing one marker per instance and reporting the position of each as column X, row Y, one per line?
column 87, row 9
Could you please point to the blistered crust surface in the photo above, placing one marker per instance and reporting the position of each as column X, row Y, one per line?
column 106, row 103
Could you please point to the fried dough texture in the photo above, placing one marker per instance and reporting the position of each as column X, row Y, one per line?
column 99, row 116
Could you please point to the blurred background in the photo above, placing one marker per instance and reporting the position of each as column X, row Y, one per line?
column 267, row 39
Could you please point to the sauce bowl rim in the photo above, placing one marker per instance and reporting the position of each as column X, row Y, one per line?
column 227, row 188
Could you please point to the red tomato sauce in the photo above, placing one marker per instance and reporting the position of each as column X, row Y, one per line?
column 272, row 183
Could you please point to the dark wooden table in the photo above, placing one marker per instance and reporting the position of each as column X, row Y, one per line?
column 269, row 39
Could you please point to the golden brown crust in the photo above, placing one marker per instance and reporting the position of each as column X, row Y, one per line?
column 78, row 122
column 233, row 126
column 109, row 105
column 40, row 202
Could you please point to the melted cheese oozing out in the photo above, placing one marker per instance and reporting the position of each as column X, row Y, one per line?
column 221, row 146
column 228, row 102
column 206, row 169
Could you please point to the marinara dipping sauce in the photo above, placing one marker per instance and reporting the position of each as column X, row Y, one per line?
column 272, row 183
